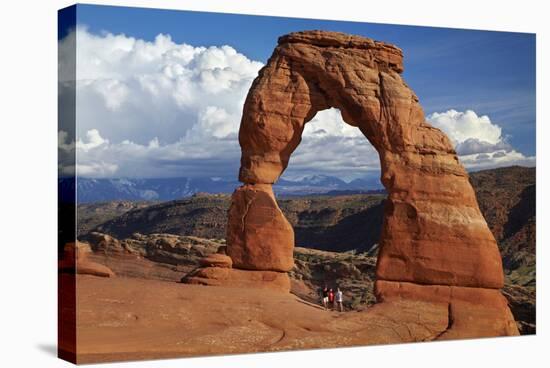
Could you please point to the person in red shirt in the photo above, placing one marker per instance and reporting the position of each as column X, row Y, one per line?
column 331, row 297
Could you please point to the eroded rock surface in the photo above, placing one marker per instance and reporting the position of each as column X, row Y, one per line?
column 117, row 320
column 216, row 260
column 258, row 234
column 75, row 261
column 227, row 277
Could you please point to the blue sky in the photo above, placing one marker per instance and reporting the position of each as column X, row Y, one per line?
column 491, row 73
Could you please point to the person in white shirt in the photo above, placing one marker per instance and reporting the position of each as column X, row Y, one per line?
column 339, row 300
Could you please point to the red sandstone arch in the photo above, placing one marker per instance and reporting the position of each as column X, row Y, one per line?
column 435, row 243
column 433, row 230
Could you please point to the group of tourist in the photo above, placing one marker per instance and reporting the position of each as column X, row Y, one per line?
column 332, row 299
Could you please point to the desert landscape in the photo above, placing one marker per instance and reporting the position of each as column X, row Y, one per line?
column 146, row 312
column 439, row 254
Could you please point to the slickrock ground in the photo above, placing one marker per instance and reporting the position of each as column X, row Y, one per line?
column 128, row 318
column 167, row 257
column 145, row 313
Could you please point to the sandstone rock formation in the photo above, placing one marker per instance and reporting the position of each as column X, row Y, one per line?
column 216, row 270
column 105, row 243
column 471, row 312
column 433, row 231
column 216, row 260
column 75, row 260
column 261, row 242
column 259, row 235
column 222, row 276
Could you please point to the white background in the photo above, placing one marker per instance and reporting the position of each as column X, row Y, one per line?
column 28, row 85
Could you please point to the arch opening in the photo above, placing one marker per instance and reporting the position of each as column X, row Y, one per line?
column 331, row 191
column 330, row 146
column 338, row 209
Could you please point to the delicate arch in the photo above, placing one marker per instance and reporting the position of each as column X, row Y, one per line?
column 433, row 231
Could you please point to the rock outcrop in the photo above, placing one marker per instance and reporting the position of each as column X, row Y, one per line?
column 105, row 243
column 216, row 260
column 259, row 235
column 435, row 243
column 216, row 269
column 222, row 276
column 262, row 243
column 75, row 260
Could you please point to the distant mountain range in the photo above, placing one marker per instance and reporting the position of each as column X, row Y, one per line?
column 343, row 222
column 164, row 189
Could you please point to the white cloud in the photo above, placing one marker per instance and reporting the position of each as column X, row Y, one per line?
column 460, row 126
column 497, row 158
column 160, row 108
column 166, row 109
column 155, row 108
column 114, row 92
column 478, row 141
column 98, row 157
column 100, row 169
column 332, row 147
column 93, row 140
column 132, row 89
column 474, row 145
column 330, row 123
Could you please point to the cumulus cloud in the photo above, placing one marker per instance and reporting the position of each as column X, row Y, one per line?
column 156, row 108
column 93, row 140
column 479, row 142
column 461, row 126
column 162, row 109
column 474, row 145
